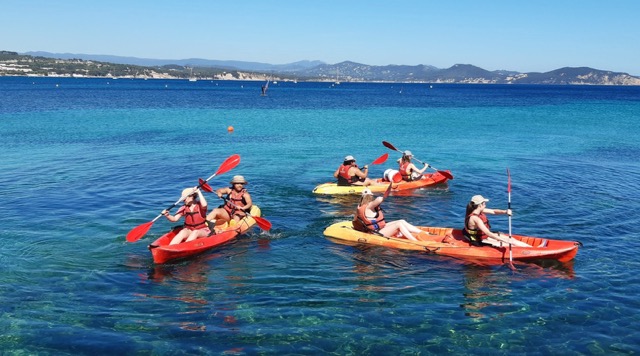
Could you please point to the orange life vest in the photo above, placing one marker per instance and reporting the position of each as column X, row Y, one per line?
column 236, row 198
column 404, row 170
column 374, row 224
column 343, row 175
column 476, row 235
column 194, row 219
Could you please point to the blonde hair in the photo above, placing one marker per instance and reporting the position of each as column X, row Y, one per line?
column 366, row 199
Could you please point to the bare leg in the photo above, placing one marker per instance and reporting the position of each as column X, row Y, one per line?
column 218, row 214
column 180, row 236
column 410, row 227
column 392, row 228
column 197, row 234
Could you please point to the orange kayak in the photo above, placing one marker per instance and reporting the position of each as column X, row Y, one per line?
column 450, row 242
column 381, row 185
column 162, row 252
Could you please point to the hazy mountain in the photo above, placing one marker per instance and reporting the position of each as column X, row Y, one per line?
column 303, row 70
column 190, row 62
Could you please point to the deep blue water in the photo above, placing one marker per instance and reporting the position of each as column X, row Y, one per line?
column 86, row 160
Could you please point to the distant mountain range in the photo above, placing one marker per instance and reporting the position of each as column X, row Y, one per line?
column 357, row 72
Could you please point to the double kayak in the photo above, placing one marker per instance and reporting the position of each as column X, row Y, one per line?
column 450, row 242
column 381, row 185
column 162, row 252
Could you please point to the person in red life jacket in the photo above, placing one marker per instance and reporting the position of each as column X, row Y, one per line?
column 370, row 218
column 237, row 203
column 477, row 228
column 349, row 174
column 407, row 169
column 194, row 211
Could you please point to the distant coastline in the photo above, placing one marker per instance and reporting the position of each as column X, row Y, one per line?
column 14, row 64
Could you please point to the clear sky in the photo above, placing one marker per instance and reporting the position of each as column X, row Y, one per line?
column 520, row 35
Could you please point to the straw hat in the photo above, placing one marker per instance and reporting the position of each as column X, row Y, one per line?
column 187, row 192
column 238, row 179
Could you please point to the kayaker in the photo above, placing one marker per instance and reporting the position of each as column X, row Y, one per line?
column 477, row 228
column 349, row 174
column 370, row 218
column 407, row 169
column 194, row 211
column 237, row 203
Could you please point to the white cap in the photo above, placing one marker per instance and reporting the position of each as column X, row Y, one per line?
column 478, row 199
column 366, row 191
column 349, row 158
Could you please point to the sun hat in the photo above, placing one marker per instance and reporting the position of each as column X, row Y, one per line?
column 238, row 179
column 366, row 191
column 478, row 199
column 187, row 192
column 349, row 158
column 407, row 153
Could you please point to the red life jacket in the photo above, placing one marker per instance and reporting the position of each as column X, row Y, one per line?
column 236, row 198
column 373, row 224
column 476, row 235
column 404, row 170
column 343, row 175
column 194, row 220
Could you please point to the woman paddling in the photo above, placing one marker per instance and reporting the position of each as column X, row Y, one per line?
column 407, row 169
column 237, row 203
column 194, row 211
column 477, row 227
column 349, row 174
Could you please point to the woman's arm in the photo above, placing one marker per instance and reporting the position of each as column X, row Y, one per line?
column 203, row 201
column 375, row 203
column 249, row 202
column 172, row 218
column 360, row 173
column 220, row 192
column 497, row 211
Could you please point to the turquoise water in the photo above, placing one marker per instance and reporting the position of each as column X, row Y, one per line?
column 87, row 160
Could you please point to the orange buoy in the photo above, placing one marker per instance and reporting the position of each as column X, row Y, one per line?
column 230, row 128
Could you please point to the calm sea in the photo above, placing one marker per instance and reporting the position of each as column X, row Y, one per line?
column 86, row 160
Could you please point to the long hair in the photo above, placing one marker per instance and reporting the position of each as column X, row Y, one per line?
column 470, row 208
column 366, row 199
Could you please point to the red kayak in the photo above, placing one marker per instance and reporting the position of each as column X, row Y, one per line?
column 162, row 252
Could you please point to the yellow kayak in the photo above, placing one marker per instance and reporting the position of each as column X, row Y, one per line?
column 381, row 185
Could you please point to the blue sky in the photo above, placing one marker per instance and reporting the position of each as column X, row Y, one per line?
column 525, row 36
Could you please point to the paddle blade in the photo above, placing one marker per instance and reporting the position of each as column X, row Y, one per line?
column 386, row 192
column 390, row 146
column 381, row 159
column 228, row 164
column 446, row 174
column 262, row 223
column 139, row 231
column 205, row 186
column 509, row 181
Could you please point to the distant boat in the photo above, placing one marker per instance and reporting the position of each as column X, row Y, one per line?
column 191, row 77
column 337, row 76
